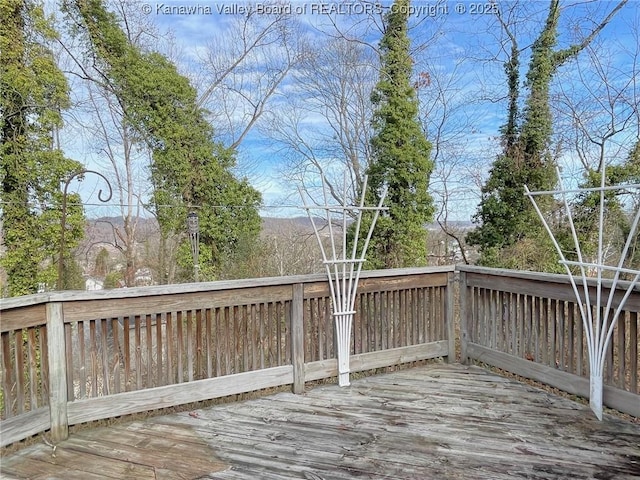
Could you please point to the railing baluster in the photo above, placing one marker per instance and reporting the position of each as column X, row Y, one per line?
column 117, row 343
column 159, row 351
column 546, row 332
column 104, row 360
column 115, row 359
column 297, row 337
column 208, row 338
column 126, row 351
column 634, row 367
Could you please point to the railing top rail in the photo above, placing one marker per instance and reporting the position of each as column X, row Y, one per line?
column 537, row 276
column 183, row 288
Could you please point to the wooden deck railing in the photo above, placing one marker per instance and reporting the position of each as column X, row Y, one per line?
column 74, row 357
column 529, row 324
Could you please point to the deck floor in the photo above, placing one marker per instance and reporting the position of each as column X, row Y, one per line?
column 430, row 422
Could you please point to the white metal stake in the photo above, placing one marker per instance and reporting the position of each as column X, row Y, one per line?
column 341, row 272
column 599, row 328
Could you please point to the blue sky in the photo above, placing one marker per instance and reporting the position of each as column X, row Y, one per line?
column 461, row 51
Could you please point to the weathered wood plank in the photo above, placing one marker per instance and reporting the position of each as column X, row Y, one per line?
column 122, row 453
column 449, row 317
column 94, row 464
column 18, row 303
column 387, row 283
column 634, row 357
column 542, row 285
column 466, row 321
column 297, row 338
column 81, row 310
column 372, row 360
column 393, row 428
column 189, row 459
column 320, row 369
column 25, row 317
column 399, row 356
column 614, row 398
column 24, row 425
column 126, row 403
column 436, row 421
column 36, row 469
column 57, row 372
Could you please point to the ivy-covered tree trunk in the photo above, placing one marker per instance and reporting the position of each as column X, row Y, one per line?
column 33, row 92
column 509, row 234
column 189, row 171
column 400, row 154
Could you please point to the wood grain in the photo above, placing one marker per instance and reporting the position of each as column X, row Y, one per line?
column 616, row 398
column 121, row 346
column 437, row 421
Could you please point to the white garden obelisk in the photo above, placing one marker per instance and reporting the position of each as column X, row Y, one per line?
column 599, row 320
column 343, row 272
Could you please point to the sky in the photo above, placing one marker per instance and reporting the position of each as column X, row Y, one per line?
column 459, row 45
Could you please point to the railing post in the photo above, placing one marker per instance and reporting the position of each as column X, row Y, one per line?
column 297, row 337
column 464, row 316
column 449, row 315
column 56, row 350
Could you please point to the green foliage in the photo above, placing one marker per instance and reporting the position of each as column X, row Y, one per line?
column 400, row 155
column 102, row 263
column 113, row 279
column 537, row 126
column 617, row 215
column 249, row 261
column 72, row 278
column 33, row 92
column 537, row 254
column 189, row 170
column 505, row 215
column 510, row 130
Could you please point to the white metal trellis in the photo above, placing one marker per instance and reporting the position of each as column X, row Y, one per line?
column 343, row 273
column 598, row 324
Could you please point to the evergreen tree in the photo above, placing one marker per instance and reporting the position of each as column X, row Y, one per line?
column 400, row 154
column 189, row 169
column 33, row 92
column 102, row 263
column 506, row 218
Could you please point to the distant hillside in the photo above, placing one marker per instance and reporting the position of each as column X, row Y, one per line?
column 293, row 238
column 274, row 225
column 101, row 229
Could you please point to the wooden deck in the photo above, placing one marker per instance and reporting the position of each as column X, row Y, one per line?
column 431, row 422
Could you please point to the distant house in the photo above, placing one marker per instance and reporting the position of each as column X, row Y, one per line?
column 93, row 284
column 143, row 277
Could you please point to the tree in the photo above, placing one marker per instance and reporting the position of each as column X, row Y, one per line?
column 334, row 84
column 188, row 169
column 99, row 116
column 244, row 75
column 617, row 212
column 33, row 92
column 505, row 216
column 601, row 122
column 400, row 154
column 102, row 263
column 451, row 123
column 72, row 275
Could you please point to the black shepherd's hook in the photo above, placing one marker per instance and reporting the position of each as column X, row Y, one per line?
column 64, row 215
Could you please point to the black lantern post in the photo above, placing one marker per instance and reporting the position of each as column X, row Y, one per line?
column 193, row 228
